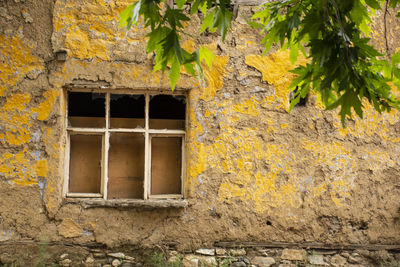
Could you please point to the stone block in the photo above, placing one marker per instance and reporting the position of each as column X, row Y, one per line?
column 293, row 254
column 239, row 264
column 65, row 262
column 237, row 252
column 220, row 251
column 263, row 261
column 116, row 263
column 208, row 261
column 206, row 251
column 190, row 261
column 118, row 255
column 338, row 261
column 317, row 260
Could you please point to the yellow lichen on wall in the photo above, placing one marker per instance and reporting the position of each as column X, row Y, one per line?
column 267, row 190
column 275, row 69
column 214, row 79
column 17, row 62
column 18, row 126
column 372, row 123
column 45, row 107
column 90, row 29
column 285, row 185
column 20, row 169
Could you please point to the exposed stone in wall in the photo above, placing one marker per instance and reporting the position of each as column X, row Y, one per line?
column 254, row 171
column 67, row 256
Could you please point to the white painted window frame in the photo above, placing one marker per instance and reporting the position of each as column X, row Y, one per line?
column 105, row 133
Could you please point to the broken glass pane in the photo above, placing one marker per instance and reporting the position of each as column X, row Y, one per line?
column 86, row 110
column 127, row 111
column 167, row 112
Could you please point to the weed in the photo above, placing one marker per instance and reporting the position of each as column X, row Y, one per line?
column 390, row 264
column 159, row 260
column 226, row 262
column 42, row 254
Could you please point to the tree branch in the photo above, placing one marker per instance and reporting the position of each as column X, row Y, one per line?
column 346, row 45
column 386, row 11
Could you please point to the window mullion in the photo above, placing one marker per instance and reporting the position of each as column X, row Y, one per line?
column 146, row 183
column 106, row 148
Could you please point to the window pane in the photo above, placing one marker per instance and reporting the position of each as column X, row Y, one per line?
column 85, row 164
column 127, row 111
column 126, row 166
column 166, row 165
column 86, row 109
column 167, row 112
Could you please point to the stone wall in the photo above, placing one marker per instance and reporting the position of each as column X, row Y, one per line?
column 164, row 256
column 254, row 171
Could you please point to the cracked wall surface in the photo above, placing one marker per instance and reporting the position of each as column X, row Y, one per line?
column 254, row 171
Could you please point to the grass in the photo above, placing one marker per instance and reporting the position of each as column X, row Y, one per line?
column 159, row 260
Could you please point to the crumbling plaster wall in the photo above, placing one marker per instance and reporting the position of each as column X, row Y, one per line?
column 254, row 171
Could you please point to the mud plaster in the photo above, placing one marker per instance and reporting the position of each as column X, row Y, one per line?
column 249, row 161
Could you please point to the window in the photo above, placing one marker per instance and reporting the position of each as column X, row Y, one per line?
column 122, row 145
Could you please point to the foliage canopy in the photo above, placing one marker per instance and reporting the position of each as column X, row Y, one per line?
column 333, row 34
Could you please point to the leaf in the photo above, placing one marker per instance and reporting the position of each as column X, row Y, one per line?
column 396, row 59
column 222, row 21
column 358, row 13
column 151, row 13
column 180, row 3
column 396, row 73
column 373, row 4
column 189, row 68
column 203, row 7
column 172, row 47
column 126, row 16
column 208, row 22
column 294, row 52
column 198, row 4
column 206, row 55
column 347, row 101
column 174, row 17
column 155, row 37
column 174, row 73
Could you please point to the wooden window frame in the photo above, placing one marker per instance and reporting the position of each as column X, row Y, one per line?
column 105, row 133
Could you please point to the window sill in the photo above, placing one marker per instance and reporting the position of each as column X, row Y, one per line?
column 128, row 203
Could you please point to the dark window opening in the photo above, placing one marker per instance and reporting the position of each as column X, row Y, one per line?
column 127, row 111
column 86, row 109
column 167, row 111
column 86, row 104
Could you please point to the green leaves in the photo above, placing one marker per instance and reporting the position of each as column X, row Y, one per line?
column 129, row 15
column 222, row 21
column 164, row 38
column 218, row 18
column 174, row 73
column 208, row 22
column 206, row 55
column 343, row 68
column 373, row 4
column 167, row 25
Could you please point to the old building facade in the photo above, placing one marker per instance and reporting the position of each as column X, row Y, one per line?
column 215, row 160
